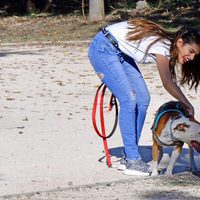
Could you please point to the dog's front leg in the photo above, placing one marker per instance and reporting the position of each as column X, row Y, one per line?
column 155, row 156
column 192, row 166
column 175, row 154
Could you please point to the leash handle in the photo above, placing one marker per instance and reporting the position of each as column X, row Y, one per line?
column 103, row 127
column 94, row 109
column 113, row 102
column 103, row 134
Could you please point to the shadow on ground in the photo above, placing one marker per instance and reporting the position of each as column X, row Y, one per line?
column 182, row 164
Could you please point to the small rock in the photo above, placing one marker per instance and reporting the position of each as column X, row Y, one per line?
column 70, row 183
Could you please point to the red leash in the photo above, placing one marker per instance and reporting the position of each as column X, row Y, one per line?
column 112, row 102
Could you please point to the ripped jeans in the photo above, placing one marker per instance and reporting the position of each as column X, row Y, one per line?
column 124, row 80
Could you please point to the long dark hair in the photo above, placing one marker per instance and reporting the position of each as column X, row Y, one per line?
column 190, row 71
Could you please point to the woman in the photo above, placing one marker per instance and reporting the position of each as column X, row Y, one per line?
column 113, row 53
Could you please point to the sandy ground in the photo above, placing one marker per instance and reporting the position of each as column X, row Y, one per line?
column 48, row 148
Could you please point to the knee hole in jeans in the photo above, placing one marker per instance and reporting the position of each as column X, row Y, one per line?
column 133, row 95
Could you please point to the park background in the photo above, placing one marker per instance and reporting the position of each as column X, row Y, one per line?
column 56, row 20
column 48, row 148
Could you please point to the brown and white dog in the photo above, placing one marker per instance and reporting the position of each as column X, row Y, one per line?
column 174, row 127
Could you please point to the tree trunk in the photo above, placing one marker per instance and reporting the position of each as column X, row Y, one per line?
column 96, row 10
column 83, row 9
column 30, row 6
column 160, row 3
column 47, row 6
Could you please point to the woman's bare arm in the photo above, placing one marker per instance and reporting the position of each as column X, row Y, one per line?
column 171, row 87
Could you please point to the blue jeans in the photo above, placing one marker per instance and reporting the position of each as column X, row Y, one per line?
column 123, row 78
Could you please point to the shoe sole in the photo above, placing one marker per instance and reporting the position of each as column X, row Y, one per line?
column 135, row 173
column 121, row 167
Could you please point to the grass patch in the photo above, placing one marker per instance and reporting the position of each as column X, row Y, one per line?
column 45, row 27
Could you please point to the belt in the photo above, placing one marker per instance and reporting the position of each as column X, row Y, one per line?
column 123, row 56
column 111, row 39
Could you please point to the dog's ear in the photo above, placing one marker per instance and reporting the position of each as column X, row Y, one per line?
column 181, row 127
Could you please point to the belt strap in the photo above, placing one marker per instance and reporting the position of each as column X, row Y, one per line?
column 111, row 39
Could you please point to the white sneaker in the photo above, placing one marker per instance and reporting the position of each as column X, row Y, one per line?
column 136, row 168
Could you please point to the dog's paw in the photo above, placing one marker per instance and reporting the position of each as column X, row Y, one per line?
column 154, row 173
column 168, row 175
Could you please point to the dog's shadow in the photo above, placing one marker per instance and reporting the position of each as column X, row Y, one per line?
column 182, row 164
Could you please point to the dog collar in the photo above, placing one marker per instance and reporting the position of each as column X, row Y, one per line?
column 173, row 139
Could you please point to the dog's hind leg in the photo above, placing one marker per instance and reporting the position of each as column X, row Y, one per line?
column 160, row 156
column 175, row 154
column 192, row 166
column 155, row 156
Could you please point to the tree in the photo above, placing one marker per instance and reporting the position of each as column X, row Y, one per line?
column 96, row 10
column 160, row 3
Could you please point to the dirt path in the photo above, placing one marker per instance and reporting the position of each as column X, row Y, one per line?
column 47, row 139
column 182, row 187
